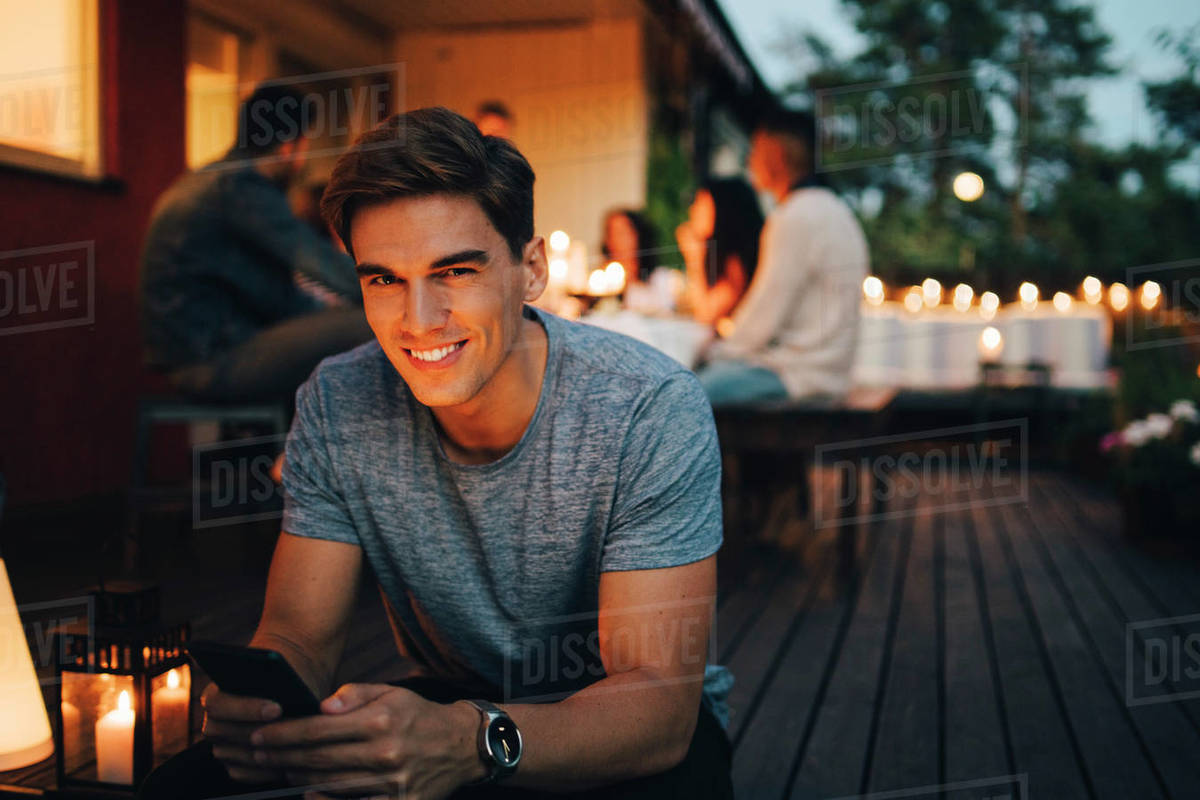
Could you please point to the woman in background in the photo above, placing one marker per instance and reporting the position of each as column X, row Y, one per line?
column 719, row 243
column 629, row 238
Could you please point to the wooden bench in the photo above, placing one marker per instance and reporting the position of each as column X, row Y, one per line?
column 770, row 443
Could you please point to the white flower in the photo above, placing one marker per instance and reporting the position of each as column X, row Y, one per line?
column 1195, row 454
column 1185, row 410
column 1159, row 425
column 1136, row 433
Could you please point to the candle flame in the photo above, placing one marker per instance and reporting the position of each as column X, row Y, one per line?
column 1151, row 292
column 963, row 295
column 1092, row 288
column 931, row 291
column 1028, row 294
column 173, row 679
column 559, row 241
column 988, row 303
column 123, row 702
column 1062, row 301
column 991, row 342
column 1118, row 296
column 912, row 300
column 873, row 289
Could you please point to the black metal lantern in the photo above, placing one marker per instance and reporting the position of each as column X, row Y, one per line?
column 124, row 691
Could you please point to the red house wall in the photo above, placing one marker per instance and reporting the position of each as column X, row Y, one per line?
column 67, row 395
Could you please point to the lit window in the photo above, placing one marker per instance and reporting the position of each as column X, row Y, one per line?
column 49, row 86
column 212, row 91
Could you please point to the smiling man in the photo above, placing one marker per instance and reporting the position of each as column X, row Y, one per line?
column 539, row 501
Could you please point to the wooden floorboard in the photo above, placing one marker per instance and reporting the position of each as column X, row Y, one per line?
column 972, row 643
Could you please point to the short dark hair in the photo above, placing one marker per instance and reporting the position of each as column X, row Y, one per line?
column 271, row 116
column 798, row 126
column 433, row 151
column 495, row 108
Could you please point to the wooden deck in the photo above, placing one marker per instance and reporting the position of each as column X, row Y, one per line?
column 970, row 644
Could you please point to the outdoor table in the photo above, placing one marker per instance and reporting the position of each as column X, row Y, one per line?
column 682, row 338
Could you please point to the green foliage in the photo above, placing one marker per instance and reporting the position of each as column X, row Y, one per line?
column 670, row 185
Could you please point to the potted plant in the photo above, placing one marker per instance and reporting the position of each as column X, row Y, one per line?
column 1156, row 468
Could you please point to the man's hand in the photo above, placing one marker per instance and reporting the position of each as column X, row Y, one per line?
column 375, row 740
column 229, row 720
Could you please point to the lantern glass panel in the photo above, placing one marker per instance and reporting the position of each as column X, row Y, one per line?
column 91, row 706
column 170, row 696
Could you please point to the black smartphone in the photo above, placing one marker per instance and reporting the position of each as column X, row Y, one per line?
column 255, row 672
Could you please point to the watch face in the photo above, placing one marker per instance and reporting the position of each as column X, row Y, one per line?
column 505, row 741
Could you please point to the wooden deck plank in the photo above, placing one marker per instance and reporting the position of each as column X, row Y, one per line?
column 1042, row 740
column 975, row 733
column 1111, row 750
column 1170, row 734
column 836, row 756
column 905, row 752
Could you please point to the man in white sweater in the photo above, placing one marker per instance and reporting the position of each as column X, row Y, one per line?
column 795, row 331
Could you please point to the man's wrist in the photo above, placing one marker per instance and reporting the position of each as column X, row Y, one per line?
column 466, row 722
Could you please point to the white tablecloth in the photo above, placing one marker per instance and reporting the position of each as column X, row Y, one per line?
column 679, row 337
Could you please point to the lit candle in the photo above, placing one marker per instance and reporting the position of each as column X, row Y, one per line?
column 614, row 276
column 1151, row 291
column 1093, row 290
column 1062, row 301
column 912, row 300
column 931, row 292
column 988, row 303
column 170, row 708
column 597, row 282
column 963, row 295
column 114, row 743
column 991, row 344
column 1118, row 295
column 1029, row 296
column 559, row 241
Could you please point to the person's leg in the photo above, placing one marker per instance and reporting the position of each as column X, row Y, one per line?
column 272, row 364
column 731, row 382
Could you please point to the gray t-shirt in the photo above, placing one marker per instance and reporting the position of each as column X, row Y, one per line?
column 491, row 572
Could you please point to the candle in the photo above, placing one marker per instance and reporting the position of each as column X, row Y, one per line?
column 873, row 290
column 988, row 303
column 170, row 708
column 991, row 343
column 114, row 743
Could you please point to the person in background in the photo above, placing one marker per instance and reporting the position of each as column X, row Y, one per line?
column 629, row 238
column 222, row 314
column 795, row 331
column 719, row 243
column 493, row 118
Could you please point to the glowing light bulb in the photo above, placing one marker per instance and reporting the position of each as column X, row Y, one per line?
column 1151, row 294
column 912, row 300
column 873, row 290
column 968, row 187
column 559, row 241
column 963, row 295
column 1118, row 296
column 989, row 302
column 931, row 291
column 1029, row 295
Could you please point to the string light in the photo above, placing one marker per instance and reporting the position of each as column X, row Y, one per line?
column 963, row 295
column 1118, row 296
column 1029, row 296
column 931, row 292
column 988, row 303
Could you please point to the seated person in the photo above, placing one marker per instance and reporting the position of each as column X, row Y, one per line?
column 795, row 331
column 629, row 239
column 719, row 243
column 538, row 499
column 222, row 312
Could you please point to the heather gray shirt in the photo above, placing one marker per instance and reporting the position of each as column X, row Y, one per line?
column 491, row 571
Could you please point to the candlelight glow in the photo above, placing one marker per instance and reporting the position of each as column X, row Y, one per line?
column 1151, row 293
column 1062, row 301
column 931, row 291
column 968, row 187
column 988, row 303
column 173, row 679
column 614, row 274
column 597, row 282
column 559, row 241
column 558, row 269
column 1118, row 296
column 1092, row 289
column 123, row 702
column 991, row 343
column 912, row 300
column 1029, row 295
column 873, row 289
column 963, row 295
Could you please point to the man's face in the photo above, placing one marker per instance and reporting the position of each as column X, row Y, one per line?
column 442, row 292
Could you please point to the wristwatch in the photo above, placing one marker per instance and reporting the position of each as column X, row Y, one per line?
column 499, row 741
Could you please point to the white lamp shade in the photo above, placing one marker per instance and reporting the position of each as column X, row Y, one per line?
column 25, row 736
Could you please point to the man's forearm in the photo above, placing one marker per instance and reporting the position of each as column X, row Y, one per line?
column 315, row 665
column 625, row 726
